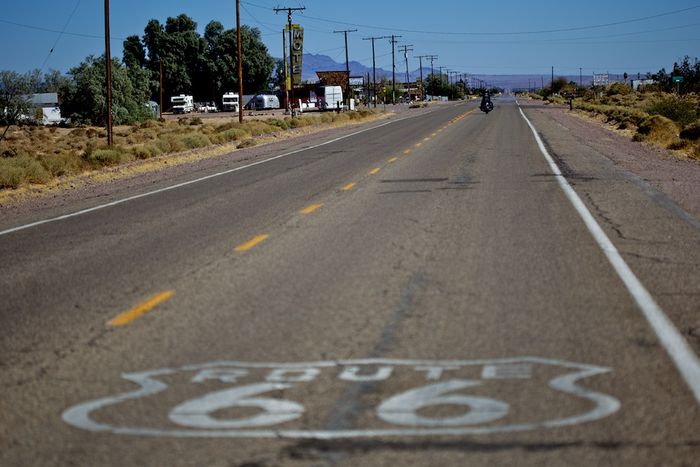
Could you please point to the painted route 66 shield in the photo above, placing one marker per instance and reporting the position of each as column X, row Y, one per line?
column 353, row 398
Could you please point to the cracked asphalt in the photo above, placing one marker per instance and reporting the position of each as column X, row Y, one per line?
column 417, row 291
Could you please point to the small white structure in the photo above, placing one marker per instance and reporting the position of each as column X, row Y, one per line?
column 637, row 83
column 47, row 110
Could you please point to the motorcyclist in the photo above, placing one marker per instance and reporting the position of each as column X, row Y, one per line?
column 486, row 104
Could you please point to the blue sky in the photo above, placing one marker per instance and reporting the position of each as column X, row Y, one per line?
column 506, row 37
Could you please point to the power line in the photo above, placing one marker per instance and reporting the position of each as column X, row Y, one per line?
column 70, row 17
column 65, row 33
column 513, row 33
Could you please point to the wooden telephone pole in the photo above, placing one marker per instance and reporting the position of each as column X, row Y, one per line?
column 108, row 67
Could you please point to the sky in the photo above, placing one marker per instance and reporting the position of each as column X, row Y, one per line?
column 505, row 37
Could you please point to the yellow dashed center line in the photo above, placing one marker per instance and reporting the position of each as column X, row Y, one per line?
column 311, row 208
column 252, row 242
column 374, row 171
column 418, row 145
column 393, row 159
column 407, row 151
column 348, row 187
column 426, row 139
column 129, row 316
column 434, row 134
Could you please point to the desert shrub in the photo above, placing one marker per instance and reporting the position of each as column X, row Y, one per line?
column 196, row 121
column 683, row 111
column 195, row 140
column 62, row 163
column 106, row 156
column 229, row 135
column 280, row 123
column 657, row 129
column 692, row 131
column 21, row 168
column 258, row 128
column 617, row 89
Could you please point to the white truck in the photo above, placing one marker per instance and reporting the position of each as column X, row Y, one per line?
column 182, row 104
column 329, row 98
column 230, row 102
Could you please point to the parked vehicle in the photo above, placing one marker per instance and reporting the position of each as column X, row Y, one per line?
column 265, row 102
column 182, row 104
column 230, row 102
column 208, row 107
column 329, row 97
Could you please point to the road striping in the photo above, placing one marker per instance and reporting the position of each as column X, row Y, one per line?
column 418, row 145
column 393, row 159
column 673, row 341
column 374, row 171
column 407, row 151
column 311, row 208
column 348, row 187
column 197, row 180
column 128, row 316
column 252, row 243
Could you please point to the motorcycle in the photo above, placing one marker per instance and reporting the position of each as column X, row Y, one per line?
column 486, row 104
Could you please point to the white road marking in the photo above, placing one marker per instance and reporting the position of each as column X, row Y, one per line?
column 478, row 415
column 676, row 346
column 190, row 182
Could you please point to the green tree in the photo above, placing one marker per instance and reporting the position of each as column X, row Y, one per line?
column 204, row 67
column 15, row 90
column 87, row 103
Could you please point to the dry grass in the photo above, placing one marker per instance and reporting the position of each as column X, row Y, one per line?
column 660, row 119
column 37, row 155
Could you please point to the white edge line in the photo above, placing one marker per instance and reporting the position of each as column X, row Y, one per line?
column 675, row 344
column 190, row 182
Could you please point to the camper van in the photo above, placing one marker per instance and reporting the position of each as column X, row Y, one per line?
column 182, row 104
column 264, row 102
column 230, row 102
column 329, row 97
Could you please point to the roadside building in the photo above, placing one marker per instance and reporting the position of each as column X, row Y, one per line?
column 46, row 108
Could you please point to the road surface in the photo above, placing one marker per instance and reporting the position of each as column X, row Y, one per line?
column 428, row 290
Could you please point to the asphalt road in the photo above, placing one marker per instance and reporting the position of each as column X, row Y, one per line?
column 422, row 291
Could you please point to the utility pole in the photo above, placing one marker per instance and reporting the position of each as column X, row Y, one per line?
column 374, row 67
column 406, row 49
column 420, row 64
column 551, row 83
column 347, row 63
column 432, row 59
column 580, row 77
column 291, row 53
column 240, row 61
column 160, row 110
column 108, row 66
column 453, row 86
column 393, row 68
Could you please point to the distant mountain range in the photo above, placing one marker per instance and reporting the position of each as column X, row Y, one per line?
column 312, row 63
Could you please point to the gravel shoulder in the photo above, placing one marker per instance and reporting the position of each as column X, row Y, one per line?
column 670, row 172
